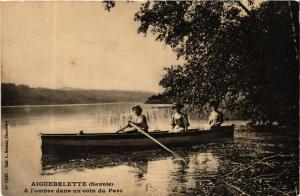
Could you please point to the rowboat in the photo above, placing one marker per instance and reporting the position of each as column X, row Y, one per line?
column 111, row 142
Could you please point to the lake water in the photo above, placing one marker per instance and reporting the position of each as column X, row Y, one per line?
column 155, row 172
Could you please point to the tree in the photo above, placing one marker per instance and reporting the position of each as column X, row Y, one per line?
column 243, row 58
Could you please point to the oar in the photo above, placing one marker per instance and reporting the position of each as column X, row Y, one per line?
column 121, row 129
column 153, row 139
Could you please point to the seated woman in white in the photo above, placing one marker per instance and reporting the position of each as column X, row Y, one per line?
column 138, row 119
column 215, row 118
column 179, row 121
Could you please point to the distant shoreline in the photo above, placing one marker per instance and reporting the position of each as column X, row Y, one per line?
column 80, row 104
column 22, row 95
column 63, row 104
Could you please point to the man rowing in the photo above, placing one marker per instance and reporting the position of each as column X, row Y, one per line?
column 138, row 119
column 216, row 117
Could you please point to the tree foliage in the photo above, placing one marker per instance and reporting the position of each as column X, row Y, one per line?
column 244, row 59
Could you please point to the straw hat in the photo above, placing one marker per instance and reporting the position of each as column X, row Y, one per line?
column 177, row 105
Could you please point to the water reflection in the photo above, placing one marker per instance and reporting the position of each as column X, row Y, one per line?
column 155, row 169
column 53, row 163
column 140, row 169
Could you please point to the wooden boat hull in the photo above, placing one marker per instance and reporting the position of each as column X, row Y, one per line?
column 110, row 142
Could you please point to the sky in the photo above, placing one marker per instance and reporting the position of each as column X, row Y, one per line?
column 79, row 45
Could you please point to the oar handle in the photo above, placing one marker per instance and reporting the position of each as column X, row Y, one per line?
column 121, row 129
column 153, row 139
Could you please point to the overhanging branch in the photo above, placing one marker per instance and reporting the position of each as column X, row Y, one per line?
column 244, row 8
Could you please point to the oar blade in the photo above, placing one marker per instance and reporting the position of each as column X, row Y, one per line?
column 159, row 143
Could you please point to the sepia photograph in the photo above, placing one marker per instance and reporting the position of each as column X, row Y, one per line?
column 149, row 98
